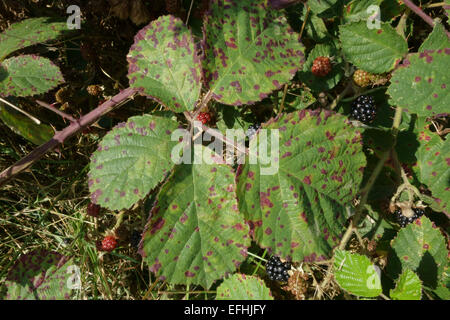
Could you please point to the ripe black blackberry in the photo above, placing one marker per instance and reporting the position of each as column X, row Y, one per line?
column 364, row 109
column 404, row 220
column 277, row 270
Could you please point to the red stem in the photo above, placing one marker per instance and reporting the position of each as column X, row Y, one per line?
column 58, row 112
column 61, row 136
column 421, row 14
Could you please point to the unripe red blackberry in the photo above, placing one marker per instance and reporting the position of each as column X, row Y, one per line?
column 321, row 66
column 204, row 117
column 109, row 243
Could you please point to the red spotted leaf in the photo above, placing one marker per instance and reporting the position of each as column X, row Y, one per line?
column 131, row 160
column 39, row 275
column 421, row 248
column 195, row 233
column 28, row 75
column 30, row 32
column 163, row 64
column 433, row 166
column 243, row 287
column 250, row 51
column 422, row 83
column 298, row 207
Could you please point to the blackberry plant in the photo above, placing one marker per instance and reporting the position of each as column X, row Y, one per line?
column 326, row 195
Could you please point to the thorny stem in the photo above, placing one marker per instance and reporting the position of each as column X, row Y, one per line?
column 63, row 135
column 365, row 193
column 217, row 134
column 421, row 14
column 58, row 112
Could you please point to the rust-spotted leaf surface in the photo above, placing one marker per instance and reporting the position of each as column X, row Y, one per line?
column 299, row 211
column 131, row 160
column 195, row 234
column 250, row 51
column 421, row 248
column 39, row 275
column 243, row 287
column 28, row 75
column 163, row 64
column 421, row 85
column 433, row 166
column 30, row 32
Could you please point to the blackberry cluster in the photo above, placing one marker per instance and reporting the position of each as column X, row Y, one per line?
column 404, row 221
column 277, row 270
column 364, row 109
column 251, row 131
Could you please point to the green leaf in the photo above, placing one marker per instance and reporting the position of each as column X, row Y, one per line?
column 409, row 287
column 373, row 50
column 131, row 160
column 39, row 275
column 433, row 166
column 356, row 274
column 319, row 6
column 24, row 126
column 356, row 10
column 330, row 80
column 391, row 10
column 28, row 75
column 443, row 289
column 30, row 32
column 250, row 50
column 436, row 40
column 296, row 203
column 421, row 85
column 421, row 248
column 301, row 100
column 195, row 234
column 163, row 64
column 231, row 118
column 374, row 226
column 315, row 28
column 243, row 287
